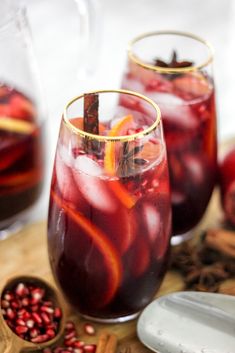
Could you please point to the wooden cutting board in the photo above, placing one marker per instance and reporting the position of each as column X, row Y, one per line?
column 25, row 253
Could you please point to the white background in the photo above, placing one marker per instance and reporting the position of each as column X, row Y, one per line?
column 60, row 51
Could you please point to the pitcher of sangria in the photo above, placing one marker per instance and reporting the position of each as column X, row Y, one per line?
column 109, row 221
column 175, row 70
column 21, row 122
column 22, row 115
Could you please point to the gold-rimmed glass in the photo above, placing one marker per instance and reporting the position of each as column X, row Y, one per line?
column 109, row 218
column 175, row 70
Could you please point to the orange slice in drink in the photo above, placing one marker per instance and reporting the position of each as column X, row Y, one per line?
column 103, row 245
column 15, row 125
column 119, row 129
column 110, row 151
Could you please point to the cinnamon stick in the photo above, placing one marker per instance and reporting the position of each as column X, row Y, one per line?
column 221, row 240
column 103, row 338
column 91, row 121
column 107, row 343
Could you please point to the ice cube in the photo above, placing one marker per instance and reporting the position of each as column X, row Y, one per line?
column 152, row 220
column 88, row 177
column 64, row 177
column 132, row 84
column 174, row 109
column 195, row 168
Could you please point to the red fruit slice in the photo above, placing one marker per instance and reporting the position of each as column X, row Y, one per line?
column 229, row 203
column 103, row 245
column 12, row 149
column 22, row 108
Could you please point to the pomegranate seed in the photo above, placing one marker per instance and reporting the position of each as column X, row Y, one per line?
column 21, row 290
column 79, row 344
column 48, row 303
column 30, row 323
column 70, row 342
column 89, row 329
column 34, row 333
column 21, row 329
column 21, row 312
column 26, row 316
column 70, row 325
column 45, row 318
column 47, row 309
column 37, row 295
column 10, row 314
column 34, row 308
column 20, row 322
column 37, row 318
column 40, row 339
column 25, row 302
column 70, row 335
column 89, row 348
column 15, row 304
column 78, row 350
column 5, row 304
column 8, row 297
column 57, row 313
column 58, row 350
column 51, row 333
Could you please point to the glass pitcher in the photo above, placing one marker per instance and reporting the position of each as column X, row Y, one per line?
column 22, row 116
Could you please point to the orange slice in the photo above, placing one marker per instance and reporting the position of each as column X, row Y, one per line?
column 122, row 194
column 16, row 125
column 109, row 161
column 102, row 243
column 117, row 130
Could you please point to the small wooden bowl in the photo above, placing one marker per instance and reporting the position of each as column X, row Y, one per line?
column 9, row 341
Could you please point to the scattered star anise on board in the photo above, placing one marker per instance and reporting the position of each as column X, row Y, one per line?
column 129, row 162
column 203, row 267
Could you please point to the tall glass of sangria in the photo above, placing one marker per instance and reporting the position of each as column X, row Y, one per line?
column 21, row 119
column 109, row 221
column 175, row 70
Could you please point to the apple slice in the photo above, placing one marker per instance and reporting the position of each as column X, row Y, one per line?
column 99, row 240
column 15, row 125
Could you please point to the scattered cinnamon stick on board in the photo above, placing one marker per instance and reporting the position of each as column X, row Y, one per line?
column 222, row 240
column 107, row 343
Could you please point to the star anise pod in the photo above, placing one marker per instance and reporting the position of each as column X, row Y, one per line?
column 185, row 259
column 174, row 63
column 207, row 278
column 129, row 161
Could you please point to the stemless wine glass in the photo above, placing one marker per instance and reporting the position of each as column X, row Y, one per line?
column 175, row 70
column 109, row 218
column 21, row 121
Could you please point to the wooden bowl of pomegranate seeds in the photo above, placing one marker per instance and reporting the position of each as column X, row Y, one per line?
column 31, row 315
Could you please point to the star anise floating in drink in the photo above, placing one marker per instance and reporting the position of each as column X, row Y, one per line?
column 174, row 62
